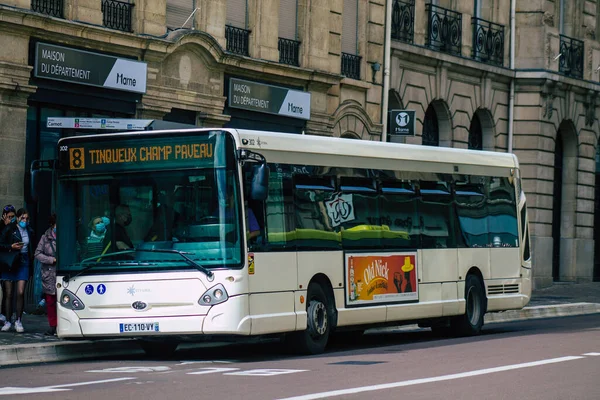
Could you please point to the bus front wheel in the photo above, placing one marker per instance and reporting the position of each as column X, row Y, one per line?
column 314, row 339
column 471, row 322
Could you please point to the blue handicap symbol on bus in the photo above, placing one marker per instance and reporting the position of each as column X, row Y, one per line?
column 101, row 289
column 89, row 289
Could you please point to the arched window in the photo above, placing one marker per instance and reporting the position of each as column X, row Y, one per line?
column 475, row 134
column 431, row 131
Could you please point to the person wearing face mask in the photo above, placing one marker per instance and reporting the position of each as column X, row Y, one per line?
column 45, row 253
column 120, row 236
column 96, row 237
column 8, row 218
column 22, row 234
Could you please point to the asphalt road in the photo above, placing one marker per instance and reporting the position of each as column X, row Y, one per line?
column 546, row 359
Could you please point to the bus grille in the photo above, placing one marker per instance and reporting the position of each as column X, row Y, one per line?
column 503, row 289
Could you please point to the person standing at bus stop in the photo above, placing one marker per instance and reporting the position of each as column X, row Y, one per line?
column 8, row 217
column 21, row 234
column 45, row 253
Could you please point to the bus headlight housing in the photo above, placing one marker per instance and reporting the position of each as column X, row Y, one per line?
column 71, row 302
column 215, row 295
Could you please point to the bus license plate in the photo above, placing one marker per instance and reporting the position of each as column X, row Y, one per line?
column 139, row 327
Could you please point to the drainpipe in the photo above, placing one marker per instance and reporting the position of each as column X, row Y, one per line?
column 386, row 68
column 511, row 98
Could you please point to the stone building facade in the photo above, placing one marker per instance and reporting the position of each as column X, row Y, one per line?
column 190, row 51
column 451, row 64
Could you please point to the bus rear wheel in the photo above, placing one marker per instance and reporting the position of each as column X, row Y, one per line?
column 313, row 339
column 471, row 322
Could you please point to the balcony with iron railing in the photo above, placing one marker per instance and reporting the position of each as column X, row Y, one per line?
column 53, row 8
column 403, row 20
column 351, row 65
column 571, row 57
column 289, row 51
column 488, row 42
column 444, row 31
column 117, row 15
column 238, row 40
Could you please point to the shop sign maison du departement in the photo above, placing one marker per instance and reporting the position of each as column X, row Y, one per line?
column 87, row 68
column 269, row 99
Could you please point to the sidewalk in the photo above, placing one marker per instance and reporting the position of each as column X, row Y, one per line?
column 562, row 299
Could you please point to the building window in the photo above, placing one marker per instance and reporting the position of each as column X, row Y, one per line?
column 288, row 46
column 571, row 57
column 403, row 20
column 117, row 15
column 54, row 8
column 444, row 32
column 350, row 59
column 236, row 34
column 475, row 134
column 179, row 14
column 431, row 132
column 488, row 41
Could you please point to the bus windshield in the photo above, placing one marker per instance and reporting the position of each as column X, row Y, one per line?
column 192, row 211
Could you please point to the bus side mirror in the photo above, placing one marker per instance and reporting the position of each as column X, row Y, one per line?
column 259, row 189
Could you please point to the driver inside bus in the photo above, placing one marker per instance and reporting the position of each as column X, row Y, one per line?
column 122, row 219
column 165, row 220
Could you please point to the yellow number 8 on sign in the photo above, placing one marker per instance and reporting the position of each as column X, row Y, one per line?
column 77, row 159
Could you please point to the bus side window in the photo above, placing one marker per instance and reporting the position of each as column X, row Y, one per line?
column 356, row 209
column 502, row 213
column 314, row 229
column 278, row 211
column 436, row 216
column 471, row 210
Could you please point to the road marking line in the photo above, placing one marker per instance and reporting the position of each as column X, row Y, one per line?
column 212, row 371
column 55, row 388
column 265, row 372
column 432, row 379
column 591, row 354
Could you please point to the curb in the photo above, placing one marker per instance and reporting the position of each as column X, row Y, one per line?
column 534, row 312
column 549, row 311
column 67, row 350
column 75, row 350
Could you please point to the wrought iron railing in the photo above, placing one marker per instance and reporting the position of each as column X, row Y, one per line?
column 117, row 15
column 351, row 65
column 289, row 51
column 53, row 8
column 403, row 20
column 238, row 40
column 488, row 41
column 571, row 57
column 444, row 32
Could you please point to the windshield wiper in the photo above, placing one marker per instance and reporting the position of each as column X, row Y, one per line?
column 97, row 258
column 198, row 266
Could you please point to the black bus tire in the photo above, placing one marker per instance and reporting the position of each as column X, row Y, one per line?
column 471, row 322
column 314, row 338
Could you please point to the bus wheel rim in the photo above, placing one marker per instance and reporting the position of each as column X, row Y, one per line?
column 319, row 319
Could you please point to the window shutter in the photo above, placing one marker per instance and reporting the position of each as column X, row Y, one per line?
column 349, row 21
column 287, row 19
column 236, row 13
column 178, row 11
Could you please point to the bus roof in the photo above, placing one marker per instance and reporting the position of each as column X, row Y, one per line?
column 322, row 145
column 333, row 146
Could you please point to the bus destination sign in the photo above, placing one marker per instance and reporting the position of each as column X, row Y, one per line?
column 94, row 157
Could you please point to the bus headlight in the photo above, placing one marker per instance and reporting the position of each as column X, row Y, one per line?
column 71, row 302
column 215, row 295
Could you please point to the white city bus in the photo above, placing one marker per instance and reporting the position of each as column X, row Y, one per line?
column 247, row 233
